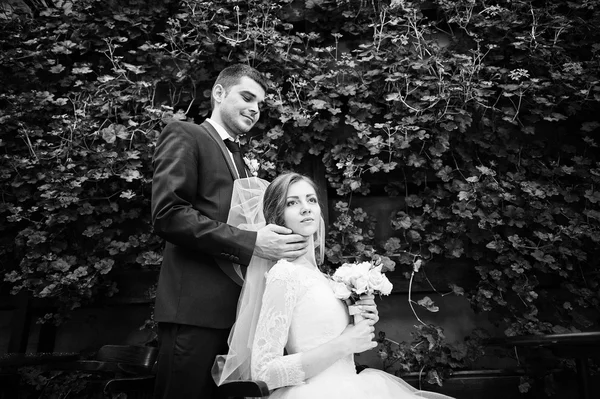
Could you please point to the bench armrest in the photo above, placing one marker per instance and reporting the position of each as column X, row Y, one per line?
column 244, row 388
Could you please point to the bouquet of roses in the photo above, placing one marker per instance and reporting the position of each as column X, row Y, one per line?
column 351, row 280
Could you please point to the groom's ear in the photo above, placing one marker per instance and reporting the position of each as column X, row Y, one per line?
column 218, row 93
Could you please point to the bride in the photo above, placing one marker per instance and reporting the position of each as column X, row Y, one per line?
column 291, row 331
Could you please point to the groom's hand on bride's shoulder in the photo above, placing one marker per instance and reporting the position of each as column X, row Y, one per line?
column 277, row 242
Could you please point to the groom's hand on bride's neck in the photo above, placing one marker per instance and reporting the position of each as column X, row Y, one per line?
column 277, row 242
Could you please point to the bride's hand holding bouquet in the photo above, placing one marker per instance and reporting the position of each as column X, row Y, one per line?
column 357, row 284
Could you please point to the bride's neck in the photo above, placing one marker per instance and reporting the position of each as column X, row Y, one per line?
column 306, row 261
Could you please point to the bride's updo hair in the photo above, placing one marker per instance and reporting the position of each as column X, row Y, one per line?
column 275, row 198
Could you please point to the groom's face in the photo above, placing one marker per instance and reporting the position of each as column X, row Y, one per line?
column 238, row 108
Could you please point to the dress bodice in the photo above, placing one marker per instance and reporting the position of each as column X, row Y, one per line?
column 299, row 313
column 318, row 316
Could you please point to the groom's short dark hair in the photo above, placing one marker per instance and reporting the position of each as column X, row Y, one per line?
column 231, row 75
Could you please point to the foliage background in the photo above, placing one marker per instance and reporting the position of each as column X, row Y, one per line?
column 480, row 118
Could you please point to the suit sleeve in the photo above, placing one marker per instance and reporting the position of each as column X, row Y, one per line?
column 174, row 188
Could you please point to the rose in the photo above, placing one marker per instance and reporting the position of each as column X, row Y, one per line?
column 359, row 277
column 343, row 273
column 376, row 278
column 363, row 268
column 386, row 287
column 361, row 284
column 340, row 290
column 379, row 281
column 359, row 270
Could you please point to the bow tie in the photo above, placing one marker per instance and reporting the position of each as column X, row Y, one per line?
column 237, row 157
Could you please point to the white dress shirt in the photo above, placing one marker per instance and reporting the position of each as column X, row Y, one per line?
column 225, row 136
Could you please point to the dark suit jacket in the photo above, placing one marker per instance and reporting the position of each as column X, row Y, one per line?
column 191, row 196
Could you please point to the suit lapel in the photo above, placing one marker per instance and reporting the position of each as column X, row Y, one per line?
column 226, row 266
column 224, row 151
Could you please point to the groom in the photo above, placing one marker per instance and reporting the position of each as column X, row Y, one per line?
column 196, row 298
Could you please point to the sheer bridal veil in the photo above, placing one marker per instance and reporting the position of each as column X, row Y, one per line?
column 246, row 213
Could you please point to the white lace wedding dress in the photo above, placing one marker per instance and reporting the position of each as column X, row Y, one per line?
column 299, row 312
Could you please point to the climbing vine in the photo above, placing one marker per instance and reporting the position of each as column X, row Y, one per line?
column 480, row 119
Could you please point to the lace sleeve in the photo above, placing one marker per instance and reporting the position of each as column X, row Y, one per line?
column 269, row 364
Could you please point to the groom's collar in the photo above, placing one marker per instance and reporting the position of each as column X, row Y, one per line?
column 221, row 130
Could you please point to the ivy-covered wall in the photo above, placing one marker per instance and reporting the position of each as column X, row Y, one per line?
column 480, row 119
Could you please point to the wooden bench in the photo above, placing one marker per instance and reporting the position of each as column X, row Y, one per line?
column 10, row 362
column 580, row 346
column 126, row 369
column 251, row 388
column 243, row 389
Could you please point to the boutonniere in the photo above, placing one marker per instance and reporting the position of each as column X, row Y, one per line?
column 252, row 165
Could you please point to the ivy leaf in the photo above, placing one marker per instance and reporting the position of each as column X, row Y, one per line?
column 149, row 258
column 434, row 249
column 392, row 245
column 416, row 160
column 456, row 289
column 127, row 194
column 555, row 116
column 355, row 185
column 542, row 257
column 484, row 170
column 454, row 247
column 592, row 214
column 433, row 377
column 428, row 304
column 413, row 201
column 445, row 173
column 93, row 230
column 81, row 71
column 63, row 47
column 449, row 126
column 524, row 386
column 392, row 97
column 402, row 221
column 121, row 131
column 130, row 175
column 108, row 134
column 414, row 236
column 374, row 145
column 590, row 126
column 463, row 196
column 592, row 196
column 60, row 264
column 318, row 104
column 104, row 266
column 387, row 167
column 105, row 78
column 135, row 69
column 388, row 264
column 57, row 68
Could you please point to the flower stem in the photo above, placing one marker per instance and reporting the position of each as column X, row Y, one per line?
column 410, row 301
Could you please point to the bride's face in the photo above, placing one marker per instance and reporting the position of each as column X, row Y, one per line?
column 302, row 211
